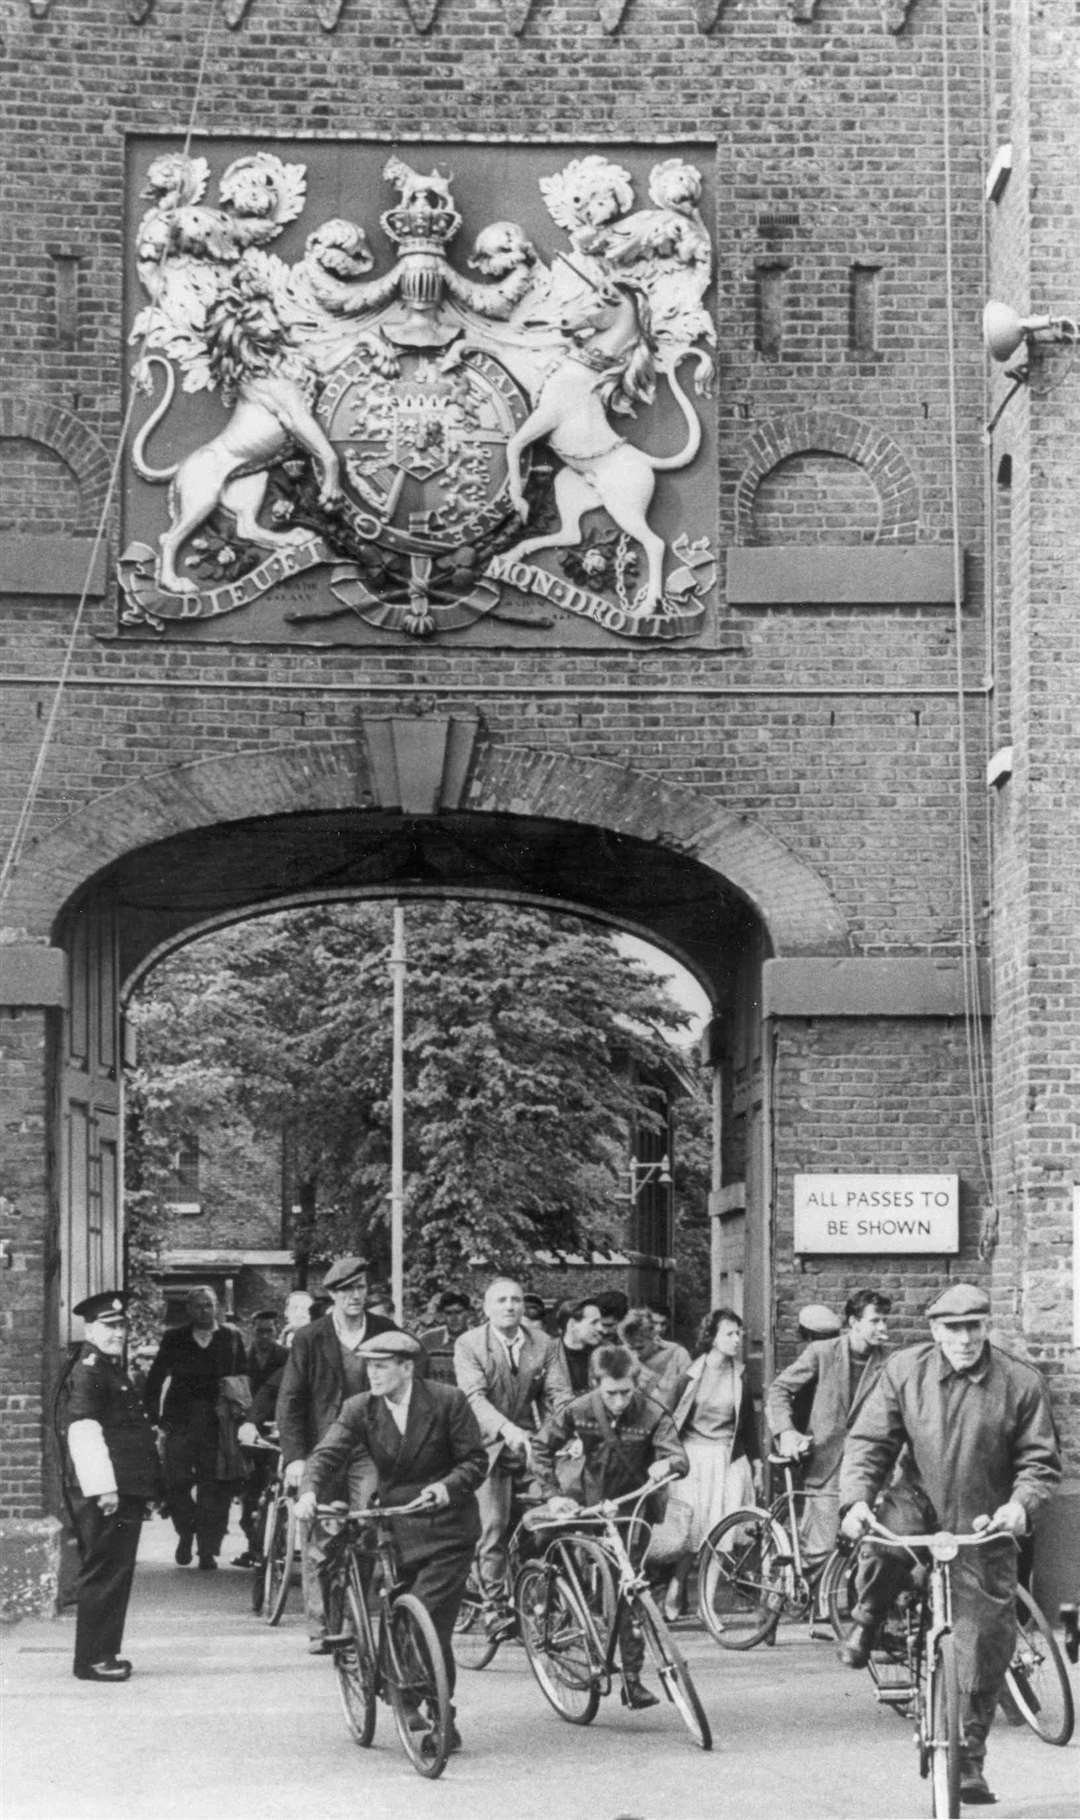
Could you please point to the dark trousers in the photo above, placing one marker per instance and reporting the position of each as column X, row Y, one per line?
column 438, row 1580
column 108, row 1546
column 198, row 1500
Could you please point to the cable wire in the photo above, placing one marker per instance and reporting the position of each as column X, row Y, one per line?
column 29, row 803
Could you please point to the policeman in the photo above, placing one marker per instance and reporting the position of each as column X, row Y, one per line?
column 111, row 1473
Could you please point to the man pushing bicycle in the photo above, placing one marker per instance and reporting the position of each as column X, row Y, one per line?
column 980, row 1454
column 622, row 1438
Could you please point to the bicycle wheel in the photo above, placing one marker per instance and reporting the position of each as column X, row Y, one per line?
column 354, row 1661
column 278, row 1559
column 258, row 1574
column 473, row 1647
column 559, row 1642
column 674, row 1674
column 1036, row 1678
column 743, row 1567
column 417, row 1685
column 942, row 1750
column 836, row 1590
column 594, row 1577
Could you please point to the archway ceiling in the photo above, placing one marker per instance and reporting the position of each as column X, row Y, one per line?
column 243, row 868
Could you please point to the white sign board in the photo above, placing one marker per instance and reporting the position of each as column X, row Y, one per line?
column 877, row 1213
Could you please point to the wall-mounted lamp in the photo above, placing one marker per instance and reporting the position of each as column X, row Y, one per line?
column 1005, row 331
column 641, row 1174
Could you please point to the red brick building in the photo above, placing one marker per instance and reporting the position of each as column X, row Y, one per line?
column 780, row 773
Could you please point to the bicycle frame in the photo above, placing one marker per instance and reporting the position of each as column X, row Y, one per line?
column 629, row 1580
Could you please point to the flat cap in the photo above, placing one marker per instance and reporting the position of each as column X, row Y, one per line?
column 818, row 1320
column 393, row 1344
column 343, row 1272
column 109, row 1305
column 960, row 1302
column 535, row 1306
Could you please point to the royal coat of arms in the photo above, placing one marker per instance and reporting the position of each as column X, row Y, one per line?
column 444, row 443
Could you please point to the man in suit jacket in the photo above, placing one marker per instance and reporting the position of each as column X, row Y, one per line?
column 512, row 1380
column 422, row 1442
column 326, row 1364
column 838, row 1374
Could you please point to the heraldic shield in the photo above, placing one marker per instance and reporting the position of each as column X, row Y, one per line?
column 419, row 453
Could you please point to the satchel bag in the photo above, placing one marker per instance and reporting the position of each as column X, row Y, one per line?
column 671, row 1536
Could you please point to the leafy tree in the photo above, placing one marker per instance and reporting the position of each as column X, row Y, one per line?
column 520, row 1029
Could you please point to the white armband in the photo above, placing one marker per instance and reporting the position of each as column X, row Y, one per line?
column 91, row 1458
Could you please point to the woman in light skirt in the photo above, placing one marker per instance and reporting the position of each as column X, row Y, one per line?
column 714, row 1414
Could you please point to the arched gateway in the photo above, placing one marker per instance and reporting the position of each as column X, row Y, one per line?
column 424, row 806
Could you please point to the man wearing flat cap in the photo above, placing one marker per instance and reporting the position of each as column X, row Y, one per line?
column 111, row 1474
column 980, row 1454
column 422, row 1441
column 326, row 1364
column 455, row 1311
column 809, row 1407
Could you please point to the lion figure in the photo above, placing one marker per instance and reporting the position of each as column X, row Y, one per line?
column 269, row 389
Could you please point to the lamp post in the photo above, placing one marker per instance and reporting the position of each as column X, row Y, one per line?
column 397, row 1117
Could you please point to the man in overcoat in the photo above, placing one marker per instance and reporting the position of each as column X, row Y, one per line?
column 835, row 1376
column 973, row 1431
column 419, row 1440
column 326, row 1364
column 111, row 1474
column 512, row 1380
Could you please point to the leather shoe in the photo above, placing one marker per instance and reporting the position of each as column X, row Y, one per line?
column 637, row 1696
column 974, row 1790
column 182, row 1557
column 114, row 1668
column 855, row 1652
column 247, row 1559
column 208, row 1563
column 320, row 1646
column 453, row 1738
column 500, row 1624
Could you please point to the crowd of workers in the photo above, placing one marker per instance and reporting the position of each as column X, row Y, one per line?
column 953, row 1432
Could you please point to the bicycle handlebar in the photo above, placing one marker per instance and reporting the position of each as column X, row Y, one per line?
column 375, row 1512
column 607, row 1506
column 943, row 1544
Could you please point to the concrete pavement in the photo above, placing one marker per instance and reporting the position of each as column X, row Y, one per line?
column 225, row 1719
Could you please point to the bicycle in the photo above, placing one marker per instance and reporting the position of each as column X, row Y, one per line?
column 1037, row 1691
column 477, row 1635
column 570, row 1624
column 918, row 1648
column 395, row 1656
column 275, row 1532
column 752, row 1572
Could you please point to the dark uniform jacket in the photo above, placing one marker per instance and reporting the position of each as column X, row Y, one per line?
column 822, row 1369
column 617, row 1451
column 976, row 1439
column 441, row 1442
column 313, row 1384
column 99, row 1391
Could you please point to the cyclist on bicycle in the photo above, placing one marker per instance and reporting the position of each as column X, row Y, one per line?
column 981, row 1454
column 625, row 1437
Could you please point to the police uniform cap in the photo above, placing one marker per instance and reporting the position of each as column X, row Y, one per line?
column 108, row 1305
column 393, row 1344
column 265, row 1314
column 960, row 1302
column 343, row 1272
column 818, row 1320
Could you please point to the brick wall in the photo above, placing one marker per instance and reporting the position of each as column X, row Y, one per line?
column 835, row 730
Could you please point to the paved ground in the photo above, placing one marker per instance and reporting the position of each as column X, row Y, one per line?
column 226, row 1719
